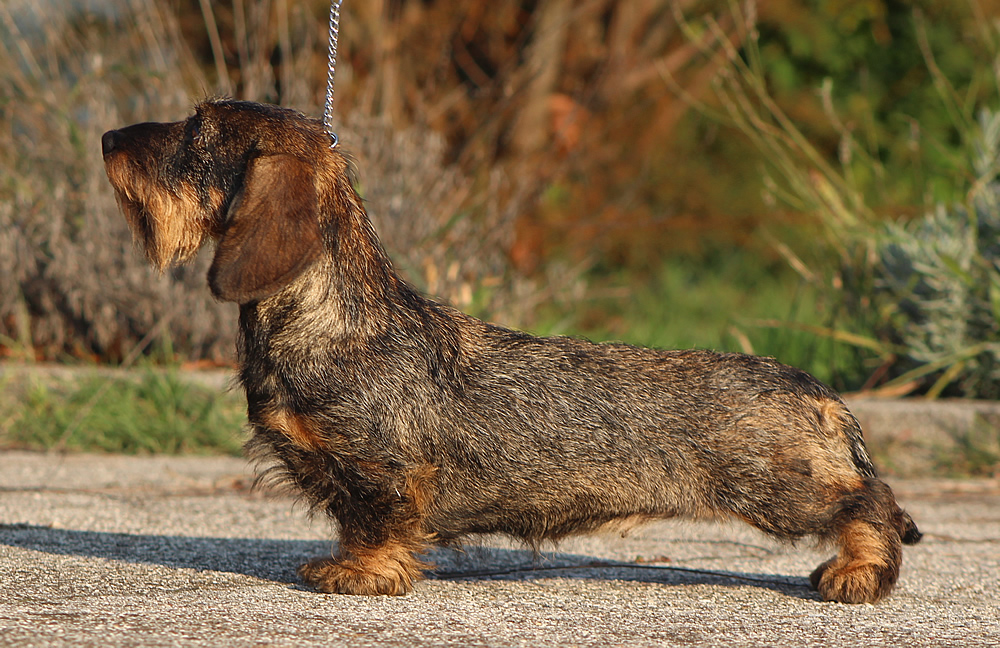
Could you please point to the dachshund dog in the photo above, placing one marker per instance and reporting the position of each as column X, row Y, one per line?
column 412, row 424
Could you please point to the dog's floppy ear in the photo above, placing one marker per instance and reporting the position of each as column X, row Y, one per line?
column 272, row 233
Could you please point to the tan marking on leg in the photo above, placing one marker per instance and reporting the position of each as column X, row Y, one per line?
column 864, row 571
column 420, row 490
column 216, row 199
column 388, row 569
column 297, row 428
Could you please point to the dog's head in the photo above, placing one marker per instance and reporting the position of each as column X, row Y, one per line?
column 247, row 175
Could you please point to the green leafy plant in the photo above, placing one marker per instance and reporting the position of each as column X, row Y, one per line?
column 917, row 298
column 938, row 277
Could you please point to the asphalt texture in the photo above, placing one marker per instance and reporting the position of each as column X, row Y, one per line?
column 99, row 550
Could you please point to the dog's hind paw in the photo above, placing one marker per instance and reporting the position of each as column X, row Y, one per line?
column 857, row 581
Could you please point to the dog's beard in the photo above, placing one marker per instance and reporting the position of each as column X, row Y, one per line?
column 163, row 223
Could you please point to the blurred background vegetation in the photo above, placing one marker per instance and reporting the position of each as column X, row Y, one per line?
column 810, row 179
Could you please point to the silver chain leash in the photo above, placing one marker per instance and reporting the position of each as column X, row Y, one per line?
column 331, row 65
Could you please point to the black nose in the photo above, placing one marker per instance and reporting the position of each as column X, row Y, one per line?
column 109, row 141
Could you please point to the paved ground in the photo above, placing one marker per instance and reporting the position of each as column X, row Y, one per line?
column 156, row 551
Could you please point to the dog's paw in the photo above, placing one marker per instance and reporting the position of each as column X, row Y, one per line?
column 855, row 581
column 334, row 576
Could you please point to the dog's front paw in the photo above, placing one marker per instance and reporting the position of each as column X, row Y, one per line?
column 340, row 576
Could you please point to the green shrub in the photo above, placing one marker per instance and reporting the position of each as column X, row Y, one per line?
column 938, row 280
column 917, row 296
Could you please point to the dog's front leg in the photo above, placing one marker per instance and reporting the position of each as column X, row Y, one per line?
column 381, row 536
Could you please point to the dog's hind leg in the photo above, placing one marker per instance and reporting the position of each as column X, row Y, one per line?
column 869, row 528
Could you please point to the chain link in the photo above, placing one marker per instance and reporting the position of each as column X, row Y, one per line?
column 331, row 65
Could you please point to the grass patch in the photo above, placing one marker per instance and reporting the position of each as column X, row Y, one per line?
column 151, row 411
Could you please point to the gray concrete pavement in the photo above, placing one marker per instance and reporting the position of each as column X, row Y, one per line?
column 157, row 551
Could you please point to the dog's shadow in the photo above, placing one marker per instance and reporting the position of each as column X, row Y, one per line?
column 276, row 560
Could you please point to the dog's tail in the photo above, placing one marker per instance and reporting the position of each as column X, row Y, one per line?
column 908, row 530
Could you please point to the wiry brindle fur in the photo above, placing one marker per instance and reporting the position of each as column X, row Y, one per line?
column 412, row 424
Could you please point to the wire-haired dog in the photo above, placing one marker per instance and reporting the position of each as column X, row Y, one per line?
column 412, row 424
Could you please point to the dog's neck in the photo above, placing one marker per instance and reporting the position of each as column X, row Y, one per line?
column 352, row 292
column 360, row 276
